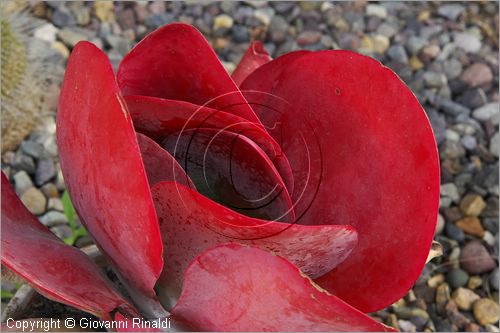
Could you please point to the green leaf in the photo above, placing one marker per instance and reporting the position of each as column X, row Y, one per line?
column 69, row 210
column 6, row 294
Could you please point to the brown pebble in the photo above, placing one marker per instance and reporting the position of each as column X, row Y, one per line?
column 474, row 282
column 485, row 311
column 436, row 280
column 477, row 74
column 34, row 200
column 472, row 205
column 471, row 226
column 442, row 297
column 464, row 298
column 475, row 259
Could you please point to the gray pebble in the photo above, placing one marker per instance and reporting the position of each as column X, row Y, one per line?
column 415, row 44
column 63, row 18
column 120, row 44
column 22, row 182
column 450, row 190
column 450, row 107
column 452, row 68
column 46, row 32
column 71, row 37
column 451, row 11
column 387, row 29
column 24, row 162
column 55, row 204
column 467, row 42
column 398, row 53
column 473, row 98
column 439, row 225
column 469, row 142
column 53, row 218
column 62, row 231
column 45, row 171
column 376, row 10
column 434, row 79
column 278, row 29
column 429, row 31
column 486, row 111
column 32, row 149
column 454, row 232
column 491, row 224
column 240, row 34
column 457, row 278
column 157, row 20
column 406, row 326
column 438, row 124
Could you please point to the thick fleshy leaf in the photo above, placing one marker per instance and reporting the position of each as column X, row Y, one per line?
column 254, row 57
column 103, row 169
column 232, row 170
column 176, row 62
column 58, row 271
column 157, row 118
column 160, row 165
column 237, row 288
column 191, row 223
column 379, row 167
column 263, row 78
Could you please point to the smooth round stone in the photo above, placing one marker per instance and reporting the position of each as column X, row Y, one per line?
column 475, row 258
column 457, row 278
column 464, row 298
column 22, row 182
column 485, row 311
column 34, row 200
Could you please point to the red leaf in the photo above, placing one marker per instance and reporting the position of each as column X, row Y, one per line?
column 58, row 271
column 158, row 118
column 159, row 164
column 255, row 56
column 264, row 77
column 176, row 62
column 191, row 223
column 232, row 170
column 103, row 169
column 379, row 165
column 235, row 288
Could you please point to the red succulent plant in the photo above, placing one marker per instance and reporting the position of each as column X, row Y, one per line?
column 297, row 194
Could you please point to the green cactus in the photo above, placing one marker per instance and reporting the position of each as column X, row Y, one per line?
column 26, row 72
column 14, row 61
column 18, row 113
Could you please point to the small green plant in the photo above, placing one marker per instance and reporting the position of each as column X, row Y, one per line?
column 77, row 229
column 6, row 295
